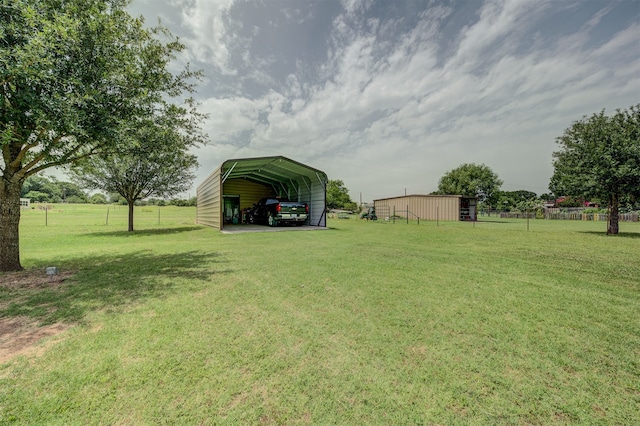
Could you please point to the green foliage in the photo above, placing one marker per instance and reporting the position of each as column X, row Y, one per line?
column 518, row 196
column 158, row 165
column 73, row 74
column 98, row 199
column 42, row 184
column 517, row 200
column 115, row 198
column 599, row 157
column 571, row 202
column 69, row 189
column 76, row 200
column 38, row 197
column 181, row 202
column 50, row 190
column 471, row 180
column 157, row 162
column 338, row 196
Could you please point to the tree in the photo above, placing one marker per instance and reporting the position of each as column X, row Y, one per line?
column 71, row 72
column 38, row 197
column 180, row 202
column 600, row 158
column 338, row 196
column 98, row 198
column 116, row 198
column 157, row 163
column 471, row 180
column 40, row 189
column 509, row 200
column 521, row 195
column 71, row 191
column 50, row 190
column 567, row 202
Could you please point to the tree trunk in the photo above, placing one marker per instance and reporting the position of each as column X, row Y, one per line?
column 130, row 204
column 10, row 225
column 613, row 228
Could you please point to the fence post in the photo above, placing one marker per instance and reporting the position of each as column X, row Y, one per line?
column 394, row 215
column 407, row 214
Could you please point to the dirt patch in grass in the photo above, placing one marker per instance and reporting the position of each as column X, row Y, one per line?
column 33, row 278
column 21, row 335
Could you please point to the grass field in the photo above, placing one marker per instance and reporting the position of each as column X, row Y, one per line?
column 363, row 323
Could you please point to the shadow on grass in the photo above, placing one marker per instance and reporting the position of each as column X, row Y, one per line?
column 144, row 232
column 110, row 282
column 619, row 235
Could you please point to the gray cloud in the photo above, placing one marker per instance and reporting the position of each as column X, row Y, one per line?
column 391, row 95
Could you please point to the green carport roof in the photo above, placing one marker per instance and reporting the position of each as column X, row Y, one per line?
column 275, row 171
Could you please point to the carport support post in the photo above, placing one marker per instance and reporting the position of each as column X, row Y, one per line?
column 394, row 215
column 407, row 210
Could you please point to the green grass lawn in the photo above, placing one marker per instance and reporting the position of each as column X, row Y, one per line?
column 364, row 323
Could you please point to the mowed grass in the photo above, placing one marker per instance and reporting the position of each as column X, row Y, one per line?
column 364, row 323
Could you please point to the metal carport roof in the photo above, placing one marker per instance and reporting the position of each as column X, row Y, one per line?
column 281, row 173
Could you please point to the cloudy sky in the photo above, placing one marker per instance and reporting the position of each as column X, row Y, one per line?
column 390, row 95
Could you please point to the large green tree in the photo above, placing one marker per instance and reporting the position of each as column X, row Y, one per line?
column 599, row 157
column 72, row 73
column 157, row 163
column 338, row 196
column 471, row 180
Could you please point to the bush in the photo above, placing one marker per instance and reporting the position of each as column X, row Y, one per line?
column 74, row 199
column 98, row 199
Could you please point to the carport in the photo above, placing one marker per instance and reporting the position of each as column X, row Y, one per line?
column 239, row 183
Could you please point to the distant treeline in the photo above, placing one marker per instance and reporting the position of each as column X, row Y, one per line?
column 45, row 189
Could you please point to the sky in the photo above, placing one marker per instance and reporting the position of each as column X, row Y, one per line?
column 388, row 96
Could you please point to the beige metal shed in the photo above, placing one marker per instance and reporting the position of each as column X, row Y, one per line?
column 428, row 207
column 238, row 184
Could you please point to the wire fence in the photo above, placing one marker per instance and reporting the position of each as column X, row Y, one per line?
column 564, row 214
column 622, row 217
column 385, row 213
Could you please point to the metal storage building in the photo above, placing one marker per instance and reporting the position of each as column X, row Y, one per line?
column 238, row 184
column 428, row 207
